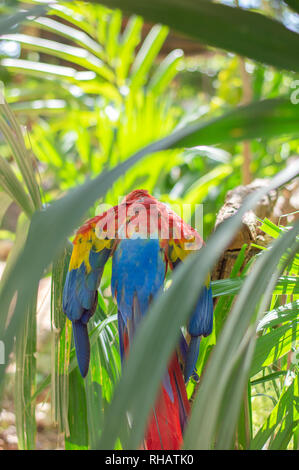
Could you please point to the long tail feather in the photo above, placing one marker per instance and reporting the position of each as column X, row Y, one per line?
column 82, row 346
column 191, row 357
column 169, row 416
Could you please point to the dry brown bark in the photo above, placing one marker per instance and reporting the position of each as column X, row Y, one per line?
column 275, row 206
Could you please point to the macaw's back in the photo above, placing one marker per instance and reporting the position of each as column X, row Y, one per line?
column 138, row 272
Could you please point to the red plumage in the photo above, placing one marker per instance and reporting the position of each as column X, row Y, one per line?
column 167, row 422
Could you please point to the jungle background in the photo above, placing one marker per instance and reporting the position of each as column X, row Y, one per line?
column 84, row 88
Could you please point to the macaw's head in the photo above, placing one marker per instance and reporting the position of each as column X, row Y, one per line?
column 137, row 195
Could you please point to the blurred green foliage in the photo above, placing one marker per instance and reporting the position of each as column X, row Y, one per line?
column 89, row 100
column 90, row 88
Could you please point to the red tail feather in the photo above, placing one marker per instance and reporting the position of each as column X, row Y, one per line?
column 168, row 419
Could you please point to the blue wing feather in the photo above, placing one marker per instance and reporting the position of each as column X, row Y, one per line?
column 80, row 301
column 82, row 346
column 71, row 304
column 200, row 324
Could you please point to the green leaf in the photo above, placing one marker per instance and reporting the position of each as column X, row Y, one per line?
column 93, row 387
column 73, row 54
column 289, row 393
column 61, row 342
column 274, row 345
column 266, row 378
column 244, row 32
column 233, row 286
column 114, row 28
column 72, row 34
column 9, row 23
column 264, row 119
column 227, row 286
column 228, row 369
column 77, row 414
column 279, row 315
column 5, row 202
column 25, row 360
column 13, row 187
column 286, row 430
column 14, row 137
column 147, row 54
column 45, row 70
column 21, row 235
column 294, row 4
column 25, row 378
column 129, row 40
column 287, row 285
column 165, row 72
column 199, row 190
column 270, row 228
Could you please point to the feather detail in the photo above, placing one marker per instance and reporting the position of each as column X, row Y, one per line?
column 169, row 415
column 80, row 295
column 82, row 346
column 191, row 357
column 200, row 324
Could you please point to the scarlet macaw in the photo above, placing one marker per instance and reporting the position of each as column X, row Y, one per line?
column 143, row 237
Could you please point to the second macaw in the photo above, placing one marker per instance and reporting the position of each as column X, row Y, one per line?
column 143, row 237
